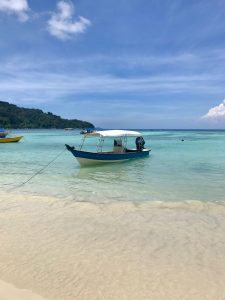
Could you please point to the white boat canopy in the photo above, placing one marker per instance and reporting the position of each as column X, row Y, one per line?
column 115, row 133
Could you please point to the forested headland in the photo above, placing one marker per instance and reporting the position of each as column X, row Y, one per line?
column 12, row 116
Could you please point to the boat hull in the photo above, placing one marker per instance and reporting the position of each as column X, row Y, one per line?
column 90, row 158
column 11, row 140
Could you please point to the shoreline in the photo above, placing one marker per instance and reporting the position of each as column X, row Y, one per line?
column 122, row 250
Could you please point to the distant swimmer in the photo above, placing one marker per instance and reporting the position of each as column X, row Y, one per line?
column 182, row 140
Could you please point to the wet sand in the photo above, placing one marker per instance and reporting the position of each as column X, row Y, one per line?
column 72, row 250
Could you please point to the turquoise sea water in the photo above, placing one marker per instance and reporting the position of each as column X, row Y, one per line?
column 175, row 171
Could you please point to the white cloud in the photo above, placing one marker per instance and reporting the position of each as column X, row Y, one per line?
column 18, row 7
column 216, row 113
column 62, row 25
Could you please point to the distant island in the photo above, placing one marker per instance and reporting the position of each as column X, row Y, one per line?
column 12, row 116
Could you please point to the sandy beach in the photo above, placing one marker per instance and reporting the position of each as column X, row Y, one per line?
column 71, row 250
column 112, row 150
column 9, row 292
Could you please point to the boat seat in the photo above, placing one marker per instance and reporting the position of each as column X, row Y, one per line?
column 118, row 149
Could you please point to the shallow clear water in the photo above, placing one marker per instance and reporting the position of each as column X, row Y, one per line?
column 71, row 246
column 175, row 171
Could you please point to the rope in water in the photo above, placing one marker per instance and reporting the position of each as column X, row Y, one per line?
column 39, row 171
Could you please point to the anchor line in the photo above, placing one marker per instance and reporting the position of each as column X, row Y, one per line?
column 39, row 171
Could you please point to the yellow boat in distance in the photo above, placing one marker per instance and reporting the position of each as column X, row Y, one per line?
column 11, row 139
column 4, row 133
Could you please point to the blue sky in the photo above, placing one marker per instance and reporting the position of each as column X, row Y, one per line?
column 127, row 63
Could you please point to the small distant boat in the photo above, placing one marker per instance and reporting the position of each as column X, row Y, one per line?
column 11, row 139
column 3, row 133
column 119, row 153
column 68, row 128
column 88, row 131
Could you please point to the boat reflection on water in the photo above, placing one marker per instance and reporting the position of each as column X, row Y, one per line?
column 113, row 172
column 112, row 182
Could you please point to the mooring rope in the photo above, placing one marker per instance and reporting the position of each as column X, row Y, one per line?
column 39, row 171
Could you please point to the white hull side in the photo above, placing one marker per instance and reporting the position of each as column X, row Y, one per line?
column 90, row 162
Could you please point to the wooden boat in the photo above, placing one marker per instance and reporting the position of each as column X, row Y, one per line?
column 11, row 139
column 118, row 154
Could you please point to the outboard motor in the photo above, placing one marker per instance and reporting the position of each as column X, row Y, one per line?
column 140, row 142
